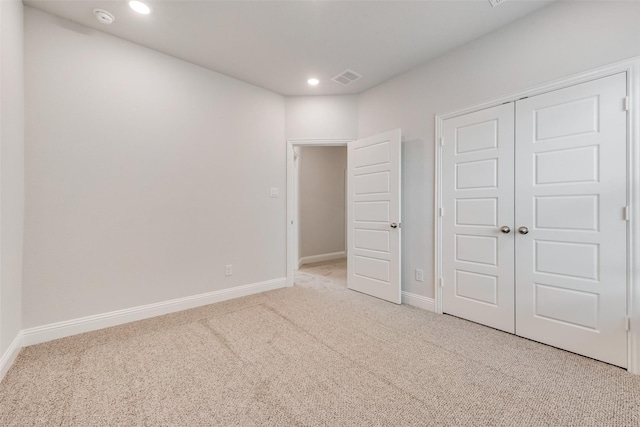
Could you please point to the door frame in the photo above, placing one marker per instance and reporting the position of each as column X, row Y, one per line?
column 632, row 68
column 292, row 197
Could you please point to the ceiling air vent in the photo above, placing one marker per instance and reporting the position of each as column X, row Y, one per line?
column 346, row 77
column 495, row 3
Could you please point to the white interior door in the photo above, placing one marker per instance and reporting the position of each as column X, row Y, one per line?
column 373, row 216
column 477, row 223
column 568, row 228
column 570, row 194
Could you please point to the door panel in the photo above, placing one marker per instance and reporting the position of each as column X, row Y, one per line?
column 477, row 287
column 477, row 174
column 477, row 198
column 477, row 249
column 373, row 256
column 478, row 212
column 570, row 193
column 567, row 212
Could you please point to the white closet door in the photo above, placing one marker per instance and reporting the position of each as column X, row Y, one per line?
column 477, row 198
column 570, row 194
column 373, row 216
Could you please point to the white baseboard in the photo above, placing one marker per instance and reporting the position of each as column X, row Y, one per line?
column 419, row 301
column 319, row 258
column 52, row 331
column 9, row 356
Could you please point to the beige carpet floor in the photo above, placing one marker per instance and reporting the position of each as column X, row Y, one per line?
column 312, row 355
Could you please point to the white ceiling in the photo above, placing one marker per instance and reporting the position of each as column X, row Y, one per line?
column 278, row 45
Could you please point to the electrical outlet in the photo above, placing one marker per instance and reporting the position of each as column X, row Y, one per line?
column 275, row 192
column 419, row 275
column 228, row 270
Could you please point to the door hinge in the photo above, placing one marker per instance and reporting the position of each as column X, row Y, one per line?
column 441, row 142
column 627, row 324
column 627, row 103
column 626, row 214
column 441, row 212
column 441, row 282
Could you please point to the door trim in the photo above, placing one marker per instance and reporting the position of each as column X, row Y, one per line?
column 632, row 68
column 292, row 197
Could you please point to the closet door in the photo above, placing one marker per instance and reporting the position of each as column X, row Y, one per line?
column 570, row 194
column 477, row 227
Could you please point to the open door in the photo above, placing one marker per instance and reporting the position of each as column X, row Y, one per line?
column 373, row 216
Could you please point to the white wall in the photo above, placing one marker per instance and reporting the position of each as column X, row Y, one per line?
column 560, row 40
column 145, row 175
column 321, row 117
column 11, row 169
column 321, row 200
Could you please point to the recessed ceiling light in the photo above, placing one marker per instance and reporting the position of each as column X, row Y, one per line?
column 313, row 82
column 139, row 7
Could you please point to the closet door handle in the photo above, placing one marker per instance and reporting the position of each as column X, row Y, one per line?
column 523, row 230
column 505, row 229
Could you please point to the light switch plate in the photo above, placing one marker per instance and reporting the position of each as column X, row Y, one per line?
column 275, row 192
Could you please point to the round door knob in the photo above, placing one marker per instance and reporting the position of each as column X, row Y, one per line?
column 523, row 230
column 393, row 225
column 505, row 229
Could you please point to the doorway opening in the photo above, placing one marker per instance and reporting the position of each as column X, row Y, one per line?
column 373, row 213
column 321, row 203
column 316, row 202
